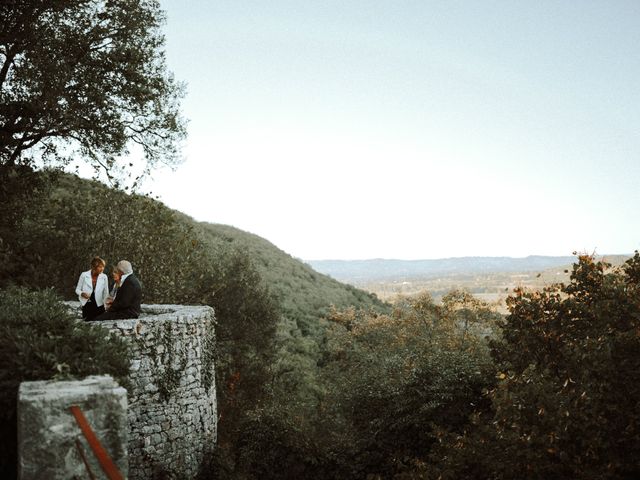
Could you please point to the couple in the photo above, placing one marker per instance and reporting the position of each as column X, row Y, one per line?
column 93, row 292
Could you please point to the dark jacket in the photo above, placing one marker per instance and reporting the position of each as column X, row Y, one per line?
column 128, row 300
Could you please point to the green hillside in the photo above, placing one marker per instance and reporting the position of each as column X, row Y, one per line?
column 303, row 294
column 270, row 307
column 111, row 223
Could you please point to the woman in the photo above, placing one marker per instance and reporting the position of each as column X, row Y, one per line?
column 93, row 289
column 117, row 276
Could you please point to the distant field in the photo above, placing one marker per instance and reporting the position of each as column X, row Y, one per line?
column 490, row 286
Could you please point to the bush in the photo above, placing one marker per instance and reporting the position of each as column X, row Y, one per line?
column 41, row 339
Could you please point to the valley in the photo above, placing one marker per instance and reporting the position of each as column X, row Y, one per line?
column 491, row 279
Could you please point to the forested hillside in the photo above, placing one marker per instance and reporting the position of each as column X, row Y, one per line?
column 270, row 307
column 72, row 209
column 303, row 294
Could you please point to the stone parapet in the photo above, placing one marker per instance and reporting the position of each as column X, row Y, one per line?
column 172, row 411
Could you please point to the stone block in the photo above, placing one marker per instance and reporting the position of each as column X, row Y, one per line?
column 50, row 442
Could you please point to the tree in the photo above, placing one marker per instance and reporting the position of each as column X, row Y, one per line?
column 246, row 316
column 566, row 403
column 86, row 79
column 93, row 216
column 391, row 380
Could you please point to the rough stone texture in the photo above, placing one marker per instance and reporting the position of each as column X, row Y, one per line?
column 172, row 413
column 47, row 431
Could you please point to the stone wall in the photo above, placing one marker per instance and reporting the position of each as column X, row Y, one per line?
column 172, row 406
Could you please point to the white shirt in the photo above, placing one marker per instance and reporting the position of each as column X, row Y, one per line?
column 85, row 285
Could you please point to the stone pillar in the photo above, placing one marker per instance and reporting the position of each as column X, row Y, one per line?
column 50, row 441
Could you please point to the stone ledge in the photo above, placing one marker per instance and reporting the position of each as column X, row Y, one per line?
column 76, row 390
column 152, row 312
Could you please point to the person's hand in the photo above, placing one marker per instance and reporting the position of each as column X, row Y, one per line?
column 85, row 295
column 108, row 302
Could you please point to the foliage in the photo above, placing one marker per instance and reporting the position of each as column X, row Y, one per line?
column 370, row 410
column 566, row 404
column 86, row 79
column 367, row 390
column 20, row 190
column 304, row 295
column 246, row 318
column 76, row 220
column 40, row 339
column 395, row 378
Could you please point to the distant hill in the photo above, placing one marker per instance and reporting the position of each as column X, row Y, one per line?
column 305, row 295
column 359, row 272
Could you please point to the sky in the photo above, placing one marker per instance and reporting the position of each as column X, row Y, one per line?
column 410, row 129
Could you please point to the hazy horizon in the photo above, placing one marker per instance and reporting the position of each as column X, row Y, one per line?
column 598, row 255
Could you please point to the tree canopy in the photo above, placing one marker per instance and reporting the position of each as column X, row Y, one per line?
column 566, row 402
column 86, row 79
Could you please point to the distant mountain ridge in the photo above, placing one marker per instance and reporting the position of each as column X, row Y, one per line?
column 388, row 269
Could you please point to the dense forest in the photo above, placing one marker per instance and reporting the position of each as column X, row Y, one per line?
column 317, row 379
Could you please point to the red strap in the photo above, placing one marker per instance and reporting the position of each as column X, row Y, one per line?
column 110, row 468
column 84, row 459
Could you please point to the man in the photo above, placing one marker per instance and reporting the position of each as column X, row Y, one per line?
column 127, row 301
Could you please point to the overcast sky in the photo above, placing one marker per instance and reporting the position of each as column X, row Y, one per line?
column 411, row 129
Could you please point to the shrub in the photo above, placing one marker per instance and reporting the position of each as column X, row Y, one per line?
column 41, row 339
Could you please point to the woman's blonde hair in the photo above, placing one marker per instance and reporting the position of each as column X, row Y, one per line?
column 95, row 261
